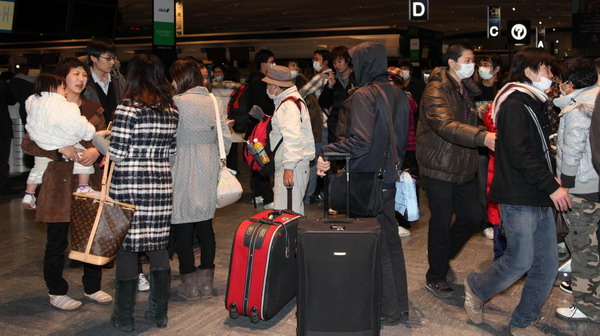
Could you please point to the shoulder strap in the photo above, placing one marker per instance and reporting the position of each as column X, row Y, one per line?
column 392, row 134
column 542, row 138
column 222, row 155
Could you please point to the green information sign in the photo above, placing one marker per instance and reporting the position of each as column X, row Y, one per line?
column 164, row 33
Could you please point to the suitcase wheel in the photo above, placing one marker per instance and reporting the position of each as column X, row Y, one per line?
column 233, row 313
column 254, row 315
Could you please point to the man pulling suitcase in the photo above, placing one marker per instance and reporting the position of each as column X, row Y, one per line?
column 367, row 141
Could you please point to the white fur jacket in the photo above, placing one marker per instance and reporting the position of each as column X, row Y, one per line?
column 53, row 122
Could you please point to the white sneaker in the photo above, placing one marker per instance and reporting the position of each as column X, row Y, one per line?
column 86, row 189
column 100, row 297
column 402, row 232
column 571, row 313
column 489, row 233
column 64, row 302
column 28, row 202
column 268, row 206
column 259, row 200
column 332, row 212
column 143, row 284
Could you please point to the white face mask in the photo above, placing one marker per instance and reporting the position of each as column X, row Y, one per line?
column 272, row 96
column 466, row 70
column 219, row 78
column 485, row 73
column 294, row 73
column 317, row 66
column 405, row 74
column 272, row 64
column 544, row 83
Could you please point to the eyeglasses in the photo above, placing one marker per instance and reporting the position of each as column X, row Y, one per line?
column 113, row 58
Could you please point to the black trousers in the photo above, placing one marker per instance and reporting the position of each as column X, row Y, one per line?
column 4, row 166
column 127, row 263
column 54, row 263
column 261, row 186
column 184, row 240
column 446, row 238
column 395, row 291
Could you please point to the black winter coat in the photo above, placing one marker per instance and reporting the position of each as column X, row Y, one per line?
column 368, row 133
column 522, row 176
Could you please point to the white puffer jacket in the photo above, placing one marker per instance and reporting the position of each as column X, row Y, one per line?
column 53, row 122
column 573, row 154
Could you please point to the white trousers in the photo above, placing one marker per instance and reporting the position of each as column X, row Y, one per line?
column 301, row 175
column 41, row 163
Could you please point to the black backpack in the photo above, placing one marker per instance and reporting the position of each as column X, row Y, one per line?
column 237, row 109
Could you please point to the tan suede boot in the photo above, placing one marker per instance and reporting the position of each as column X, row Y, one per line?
column 189, row 286
column 206, row 278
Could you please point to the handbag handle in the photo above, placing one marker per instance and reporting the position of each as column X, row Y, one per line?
column 109, row 168
column 222, row 155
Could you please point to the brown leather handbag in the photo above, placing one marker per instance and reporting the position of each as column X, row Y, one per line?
column 98, row 223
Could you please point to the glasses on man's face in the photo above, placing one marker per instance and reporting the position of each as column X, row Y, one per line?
column 113, row 58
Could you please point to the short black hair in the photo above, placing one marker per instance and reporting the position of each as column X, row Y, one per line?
column 47, row 82
column 262, row 56
column 529, row 58
column 326, row 54
column 456, row 50
column 99, row 46
column 580, row 71
column 340, row 52
column 495, row 60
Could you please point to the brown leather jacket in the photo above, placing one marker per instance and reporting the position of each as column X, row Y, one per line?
column 58, row 184
column 447, row 135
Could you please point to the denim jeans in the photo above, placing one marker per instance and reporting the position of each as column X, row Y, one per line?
column 313, row 178
column 532, row 250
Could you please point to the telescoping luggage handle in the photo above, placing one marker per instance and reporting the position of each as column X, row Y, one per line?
column 328, row 156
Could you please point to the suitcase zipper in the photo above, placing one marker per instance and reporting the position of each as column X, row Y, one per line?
column 249, row 269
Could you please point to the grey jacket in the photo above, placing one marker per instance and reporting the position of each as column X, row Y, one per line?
column 573, row 153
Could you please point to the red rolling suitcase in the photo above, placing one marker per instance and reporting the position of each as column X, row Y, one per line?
column 263, row 268
column 339, row 268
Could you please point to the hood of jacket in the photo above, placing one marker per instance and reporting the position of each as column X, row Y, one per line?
column 369, row 61
column 582, row 100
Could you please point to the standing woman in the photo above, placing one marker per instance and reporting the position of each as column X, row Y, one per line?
column 142, row 140
column 55, row 195
column 195, row 175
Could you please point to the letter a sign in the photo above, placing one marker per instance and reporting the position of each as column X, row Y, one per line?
column 418, row 10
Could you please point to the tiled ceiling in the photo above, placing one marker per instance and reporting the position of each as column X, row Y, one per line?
column 452, row 17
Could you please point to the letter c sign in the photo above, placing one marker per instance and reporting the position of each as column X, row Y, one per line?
column 418, row 10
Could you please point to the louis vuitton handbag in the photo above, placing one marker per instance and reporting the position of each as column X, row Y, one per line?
column 98, row 223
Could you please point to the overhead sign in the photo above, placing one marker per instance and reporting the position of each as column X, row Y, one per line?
column 7, row 11
column 518, row 32
column 164, row 23
column 493, row 28
column 418, row 10
column 540, row 37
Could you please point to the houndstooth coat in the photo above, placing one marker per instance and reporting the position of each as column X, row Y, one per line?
column 144, row 136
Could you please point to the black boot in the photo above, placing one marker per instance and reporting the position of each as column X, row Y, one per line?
column 160, row 291
column 122, row 316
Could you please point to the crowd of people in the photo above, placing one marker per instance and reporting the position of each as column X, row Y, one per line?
column 477, row 138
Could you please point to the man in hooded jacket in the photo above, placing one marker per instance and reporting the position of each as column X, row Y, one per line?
column 367, row 141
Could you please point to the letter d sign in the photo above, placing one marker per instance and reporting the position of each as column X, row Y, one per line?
column 418, row 10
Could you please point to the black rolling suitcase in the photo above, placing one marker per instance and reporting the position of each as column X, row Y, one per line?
column 339, row 266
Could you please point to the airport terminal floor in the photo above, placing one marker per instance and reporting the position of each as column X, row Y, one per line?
column 25, row 310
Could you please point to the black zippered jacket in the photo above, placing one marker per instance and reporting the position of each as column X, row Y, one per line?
column 522, row 176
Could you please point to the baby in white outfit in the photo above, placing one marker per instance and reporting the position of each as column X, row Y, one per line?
column 53, row 123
